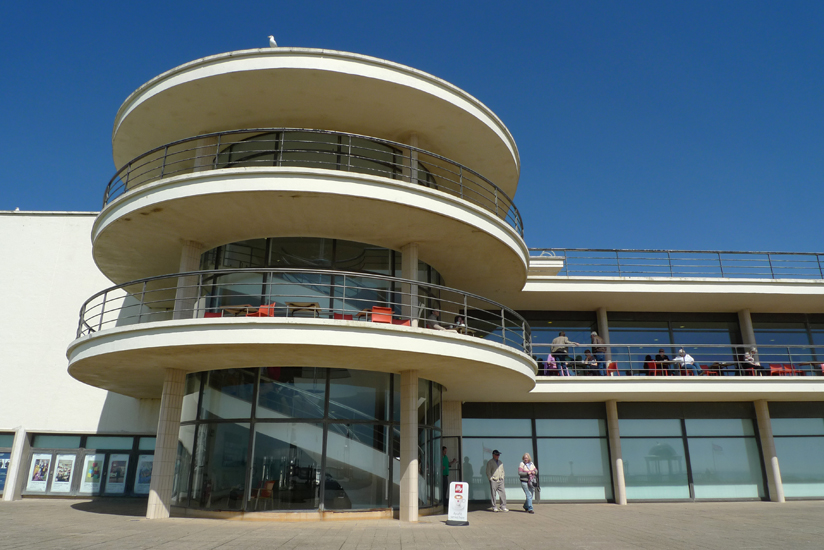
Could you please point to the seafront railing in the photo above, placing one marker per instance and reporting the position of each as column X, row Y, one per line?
column 336, row 296
column 603, row 262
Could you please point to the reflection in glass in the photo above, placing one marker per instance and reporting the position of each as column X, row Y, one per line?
column 286, row 466
column 478, row 451
column 357, row 467
column 291, row 392
column 574, row 469
column 802, row 468
column 719, row 426
column 726, row 467
column 190, row 397
column 185, row 448
column 220, row 459
column 359, row 395
column 654, row 468
column 496, row 426
column 228, row 394
column 649, row 427
column 571, row 427
column 797, row 426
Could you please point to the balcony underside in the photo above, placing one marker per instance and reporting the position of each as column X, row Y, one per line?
column 131, row 359
column 141, row 233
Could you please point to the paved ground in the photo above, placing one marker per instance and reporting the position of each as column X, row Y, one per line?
column 107, row 524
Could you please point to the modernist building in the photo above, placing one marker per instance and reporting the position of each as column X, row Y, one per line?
column 309, row 274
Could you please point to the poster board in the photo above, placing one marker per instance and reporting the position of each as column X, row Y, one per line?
column 39, row 473
column 143, row 475
column 5, row 459
column 92, row 470
column 116, row 474
column 458, row 504
column 63, row 473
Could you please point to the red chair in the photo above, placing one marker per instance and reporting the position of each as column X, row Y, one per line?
column 789, row 370
column 612, row 369
column 406, row 323
column 382, row 315
column 264, row 311
column 342, row 317
column 211, row 314
column 708, row 371
column 652, row 368
column 777, row 370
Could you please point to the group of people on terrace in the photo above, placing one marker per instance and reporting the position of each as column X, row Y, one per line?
column 594, row 362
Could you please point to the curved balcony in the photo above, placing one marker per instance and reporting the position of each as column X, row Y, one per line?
column 308, row 183
column 206, row 320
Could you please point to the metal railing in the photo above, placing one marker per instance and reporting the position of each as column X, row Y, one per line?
column 296, row 147
column 710, row 359
column 685, row 263
column 285, row 292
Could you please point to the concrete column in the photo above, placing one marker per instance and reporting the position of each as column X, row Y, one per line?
column 409, row 446
column 168, row 428
column 452, row 427
column 776, row 486
column 409, row 270
column 603, row 329
column 16, row 474
column 619, row 486
column 205, row 153
column 747, row 332
column 187, row 291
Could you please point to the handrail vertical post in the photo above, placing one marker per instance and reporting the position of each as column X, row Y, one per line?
column 820, row 270
column 460, row 181
column 769, row 261
column 503, row 326
column 102, row 311
column 720, row 264
column 217, row 151
column 618, row 262
column 349, row 155
column 669, row 261
column 199, row 294
column 142, row 299
column 163, row 165
column 343, row 301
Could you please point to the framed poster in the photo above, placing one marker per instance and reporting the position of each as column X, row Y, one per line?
column 63, row 474
column 143, row 476
column 116, row 476
column 5, row 458
column 39, row 473
column 92, row 470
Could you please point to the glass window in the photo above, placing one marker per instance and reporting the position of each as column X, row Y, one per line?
column 802, row 469
column 424, row 402
column 359, row 395
column 228, row 394
column 797, row 426
column 649, row 427
column 190, row 397
column 726, row 467
column 219, row 479
column 147, row 443
column 107, row 442
column 291, row 392
column 6, row 440
column 654, row 468
column 478, row 452
column 719, row 426
column 571, row 427
column 574, row 469
column 185, row 451
column 357, row 467
column 286, row 467
column 56, row 442
column 496, row 427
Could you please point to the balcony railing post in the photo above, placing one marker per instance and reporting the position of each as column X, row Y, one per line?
column 720, row 263
column 669, row 261
column 496, row 201
column 618, row 262
column 102, row 311
column 217, row 151
column 163, row 165
column 769, row 261
column 81, row 320
column 503, row 326
column 460, row 181
column 349, row 155
column 820, row 270
column 343, row 300
column 199, row 294
column 140, row 304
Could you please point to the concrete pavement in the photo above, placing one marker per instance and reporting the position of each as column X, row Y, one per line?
column 115, row 524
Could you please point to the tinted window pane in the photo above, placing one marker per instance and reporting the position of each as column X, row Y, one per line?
column 477, row 452
column 797, row 426
column 147, row 444
column 185, row 450
column 100, row 442
column 291, row 392
column 219, row 478
column 649, row 427
column 189, row 409
column 357, row 466
column 802, row 468
column 726, row 467
column 576, row 427
column 6, row 440
column 574, row 469
column 655, row 468
column 228, row 394
column 359, row 395
column 56, row 442
column 719, row 426
column 496, row 427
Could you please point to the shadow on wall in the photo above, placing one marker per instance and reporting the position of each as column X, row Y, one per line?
column 122, row 414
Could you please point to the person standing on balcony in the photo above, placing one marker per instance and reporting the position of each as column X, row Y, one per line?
column 560, row 348
column 600, row 350
column 495, row 474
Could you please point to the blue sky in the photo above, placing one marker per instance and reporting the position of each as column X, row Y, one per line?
column 680, row 125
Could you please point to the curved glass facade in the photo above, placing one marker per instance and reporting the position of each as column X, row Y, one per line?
column 300, row 438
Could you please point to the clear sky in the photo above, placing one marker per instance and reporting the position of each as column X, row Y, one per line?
column 640, row 124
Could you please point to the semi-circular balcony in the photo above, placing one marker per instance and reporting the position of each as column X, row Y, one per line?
column 207, row 320
column 314, row 88
column 251, row 183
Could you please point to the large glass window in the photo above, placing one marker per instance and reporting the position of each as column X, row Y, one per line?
column 654, row 467
column 799, row 445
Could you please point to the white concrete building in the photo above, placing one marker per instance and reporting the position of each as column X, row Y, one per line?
column 309, row 275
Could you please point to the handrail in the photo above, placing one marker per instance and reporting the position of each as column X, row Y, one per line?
column 325, row 294
column 331, row 150
column 606, row 262
column 717, row 359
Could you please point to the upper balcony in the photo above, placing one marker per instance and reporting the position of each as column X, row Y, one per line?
column 246, row 184
column 672, row 280
column 207, row 320
column 312, row 88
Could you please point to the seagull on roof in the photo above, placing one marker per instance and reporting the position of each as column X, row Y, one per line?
column 272, row 43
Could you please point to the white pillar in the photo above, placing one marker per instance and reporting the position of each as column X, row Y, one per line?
column 168, row 428
column 747, row 332
column 603, row 329
column 619, row 486
column 16, row 474
column 409, row 446
column 776, row 486
column 187, row 291
column 409, row 270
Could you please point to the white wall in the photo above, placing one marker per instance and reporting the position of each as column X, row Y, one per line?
column 47, row 272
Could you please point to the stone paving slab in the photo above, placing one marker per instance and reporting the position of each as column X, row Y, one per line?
column 119, row 524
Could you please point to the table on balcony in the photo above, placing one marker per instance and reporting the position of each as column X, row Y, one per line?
column 812, row 364
column 243, row 309
column 294, row 307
